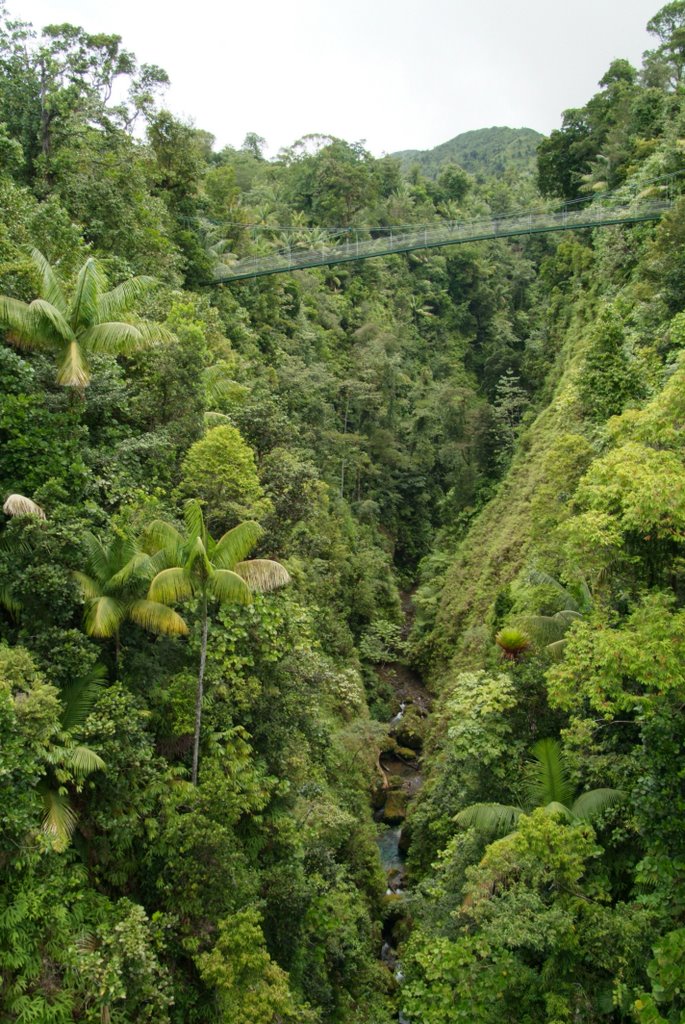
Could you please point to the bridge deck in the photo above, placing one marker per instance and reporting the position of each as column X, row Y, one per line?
column 448, row 233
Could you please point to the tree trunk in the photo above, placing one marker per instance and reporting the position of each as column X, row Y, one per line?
column 198, row 695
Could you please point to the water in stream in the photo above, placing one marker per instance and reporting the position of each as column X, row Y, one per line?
column 401, row 779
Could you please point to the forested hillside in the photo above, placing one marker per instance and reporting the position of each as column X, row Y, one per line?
column 225, row 505
column 484, row 153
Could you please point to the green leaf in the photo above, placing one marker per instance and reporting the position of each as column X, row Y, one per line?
column 90, row 588
column 49, row 322
column 80, row 697
column 157, row 617
column 547, row 778
column 194, row 520
column 113, row 339
column 229, row 588
column 236, row 544
column 51, row 289
column 104, row 616
column 90, row 284
column 171, row 585
column 591, row 804
column 82, row 761
column 59, row 817
column 162, row 536
column 113, row 303
column 489, row 818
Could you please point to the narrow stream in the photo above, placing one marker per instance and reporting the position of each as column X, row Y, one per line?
column 399, row 765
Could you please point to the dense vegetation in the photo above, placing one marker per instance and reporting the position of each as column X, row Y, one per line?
column 483, row 153
column 186, row 758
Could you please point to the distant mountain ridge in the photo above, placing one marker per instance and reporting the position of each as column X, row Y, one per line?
column 483, row 152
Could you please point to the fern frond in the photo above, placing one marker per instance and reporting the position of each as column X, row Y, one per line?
column 489, row 818
column 547, row 778
column 591, row 804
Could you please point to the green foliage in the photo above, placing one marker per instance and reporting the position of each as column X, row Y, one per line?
column 486, row 152
column 250, row 987
column 220, row 470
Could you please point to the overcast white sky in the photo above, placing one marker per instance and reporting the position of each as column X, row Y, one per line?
column 401, row 74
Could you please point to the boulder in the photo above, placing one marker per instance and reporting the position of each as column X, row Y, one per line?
column 395, row 810
column 409, row 731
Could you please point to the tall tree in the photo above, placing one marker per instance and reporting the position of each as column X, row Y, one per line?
column 197, row 567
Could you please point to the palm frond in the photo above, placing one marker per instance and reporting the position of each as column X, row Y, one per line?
column 567, row 616
column 591, row 804
column 49, row 322
column 118, row 300
column 194, row 520
column 555, row 807
column 138, row 566
column 171, row 585
column 157, row 618
column 17, row 319
column 541, row 578
column 161, row 535
column 216, row 419
column 195, row 551
column 229, row 588
column 113, row 339
column 220, row 385
column 19, row 505
column 50, row 288
column 59, row 817
column 90, row 588
column 80, row 697
column 82, row 761
column 99, row 557
column 547, row 779
column 103, row 616
column 263, row 574
column 153, row 333
column 72, row 369
column 236, row 544
column 8, row 601
column 489, row 818
column 556, row 650
column 90, row 284
column 544, row 629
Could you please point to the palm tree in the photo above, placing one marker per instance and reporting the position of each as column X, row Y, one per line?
column 548, row 785
column 198, row 567
column 86, row 323
column 68, row 760
column 113, row 588
column 550, row 630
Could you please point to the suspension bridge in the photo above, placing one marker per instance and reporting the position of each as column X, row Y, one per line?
column 599, row 213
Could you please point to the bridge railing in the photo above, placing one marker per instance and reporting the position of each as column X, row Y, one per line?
column 447, row 233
